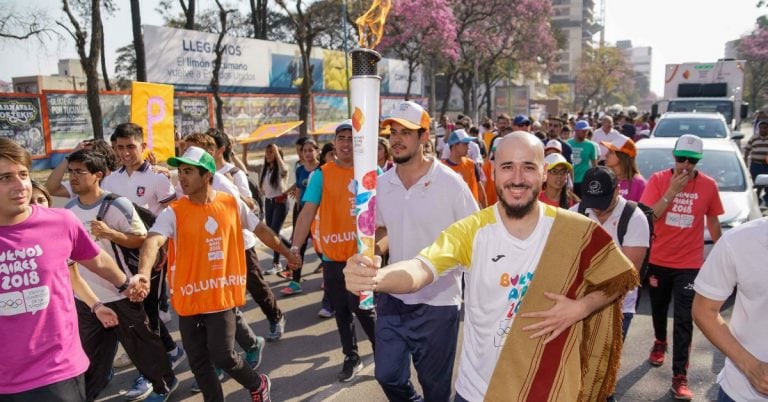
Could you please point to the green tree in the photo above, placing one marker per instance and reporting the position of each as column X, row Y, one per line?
column 604, row 77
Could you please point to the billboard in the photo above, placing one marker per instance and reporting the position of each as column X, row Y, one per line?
column 21, row 121
column 191, row 114
column 69, row 121
column 185, row 59
column 244, row 114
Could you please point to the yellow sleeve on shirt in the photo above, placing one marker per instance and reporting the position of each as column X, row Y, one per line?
column 454, row 245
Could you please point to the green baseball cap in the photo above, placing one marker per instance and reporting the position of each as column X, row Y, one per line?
column 196, row 157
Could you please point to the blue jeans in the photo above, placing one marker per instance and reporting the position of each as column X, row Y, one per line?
column 723, row 397
column 425, row 333
column 275, row 211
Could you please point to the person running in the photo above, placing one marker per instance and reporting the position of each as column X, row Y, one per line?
column 37, row 310
column 114, row 224
column 684, row 202
column 514, row 252
column 330, row 192
column 207, row 275
column 417, row 200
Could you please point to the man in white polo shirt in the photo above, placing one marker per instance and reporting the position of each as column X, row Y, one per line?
column 606, row 132
column 416, row 201
column 137, row 182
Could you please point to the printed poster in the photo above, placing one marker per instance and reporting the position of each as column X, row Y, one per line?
column 20, row 121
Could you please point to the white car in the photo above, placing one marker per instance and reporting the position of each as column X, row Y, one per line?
column 703, row 125
column 723, row 162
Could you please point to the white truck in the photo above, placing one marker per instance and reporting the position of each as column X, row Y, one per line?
column 705, row 87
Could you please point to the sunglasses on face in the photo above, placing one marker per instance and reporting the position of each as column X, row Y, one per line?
column 683, row 159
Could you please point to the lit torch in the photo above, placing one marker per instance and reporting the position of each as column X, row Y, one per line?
column 364, row 86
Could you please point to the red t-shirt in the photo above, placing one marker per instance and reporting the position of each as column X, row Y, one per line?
column 679, row 240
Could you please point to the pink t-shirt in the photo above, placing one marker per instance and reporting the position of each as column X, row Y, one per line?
column 632, row 189
column 39, row 339
column 679, row 241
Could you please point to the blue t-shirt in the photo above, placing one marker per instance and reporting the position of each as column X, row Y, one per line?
column 302, row 180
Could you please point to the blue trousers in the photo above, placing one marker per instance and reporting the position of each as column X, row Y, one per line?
column 428, row 335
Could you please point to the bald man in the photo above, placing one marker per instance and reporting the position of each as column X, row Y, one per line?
column 501, row 251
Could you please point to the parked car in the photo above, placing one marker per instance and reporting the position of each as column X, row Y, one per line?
column 723, row 162
column 704, row 125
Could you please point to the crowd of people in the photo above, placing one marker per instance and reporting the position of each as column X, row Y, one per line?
column 541, row 230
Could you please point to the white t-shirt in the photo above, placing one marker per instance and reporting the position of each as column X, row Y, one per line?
column 271, row 191
column 165, row 224
column 240, row 179
column 497, row 271
column 120, row 216
column 414, row 218
column 637, row 236
column 600, row 135
column 738, row 260
column 143, row 187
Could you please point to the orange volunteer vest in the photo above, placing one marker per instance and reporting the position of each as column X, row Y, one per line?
column 337, row 228
column 206, row 260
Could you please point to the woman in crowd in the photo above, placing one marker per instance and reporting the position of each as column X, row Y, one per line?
column 385, row 155
column 309, row 162
column 327, row 153
column 621, row 159
column 273, row 182
column 555, row 191
column 40, row 195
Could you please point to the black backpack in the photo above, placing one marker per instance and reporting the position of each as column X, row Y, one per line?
column 131, row 255
column 621, row 229
column 256, row 195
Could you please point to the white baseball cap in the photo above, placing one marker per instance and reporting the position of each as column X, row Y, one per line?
column 410, row 114
column 689, row 145
column 554, row 144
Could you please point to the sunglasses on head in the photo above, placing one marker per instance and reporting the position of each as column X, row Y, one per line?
column 683, row 159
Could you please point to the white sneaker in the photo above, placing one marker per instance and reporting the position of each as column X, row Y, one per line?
column 274, row 269
column 122, row 361
column 325, row 313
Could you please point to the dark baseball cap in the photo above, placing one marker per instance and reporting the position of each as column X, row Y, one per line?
column 598, row 187
column 521, row 120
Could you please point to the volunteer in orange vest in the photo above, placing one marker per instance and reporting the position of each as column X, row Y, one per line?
column 459, row 142
column 207, row 271
column 331, row 192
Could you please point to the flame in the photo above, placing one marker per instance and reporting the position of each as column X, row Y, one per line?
column 370, row 26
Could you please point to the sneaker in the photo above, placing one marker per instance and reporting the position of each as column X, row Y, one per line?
column 285, row 274
column 122, row 361
column 155, row 397
column 261, row 394
column 140, row 390
column 111, row 374
column 293, row 288
column 680, row 388
column 253, row 356
column 276, row 329
column 275, row 268
column 176, row 356
column 196, row 388
column 657, row 353
column 352, row 365
column 325, row 313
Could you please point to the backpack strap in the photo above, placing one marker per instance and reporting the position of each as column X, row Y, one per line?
column 626, row 214
column 108, row 199
column 233, row 171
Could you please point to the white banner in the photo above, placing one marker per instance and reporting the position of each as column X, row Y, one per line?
column 184, row 57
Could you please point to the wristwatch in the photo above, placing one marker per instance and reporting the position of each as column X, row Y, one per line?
column 125, row 284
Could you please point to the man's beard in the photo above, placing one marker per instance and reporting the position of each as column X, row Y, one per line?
column 517, row 212
column 404, row 158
